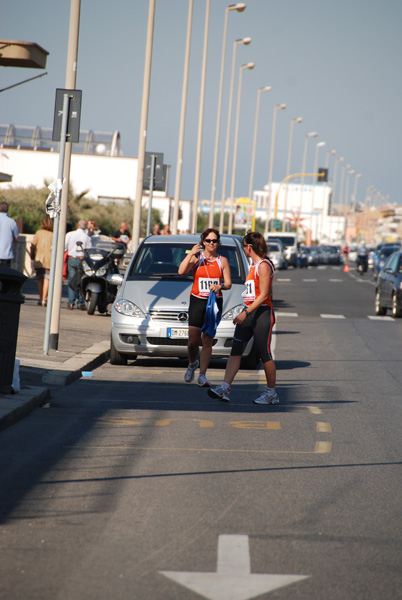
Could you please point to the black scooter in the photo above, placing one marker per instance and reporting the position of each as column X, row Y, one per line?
column 99, row 261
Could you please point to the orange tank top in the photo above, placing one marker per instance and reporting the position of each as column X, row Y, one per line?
column 207, row 272
column 252, row 283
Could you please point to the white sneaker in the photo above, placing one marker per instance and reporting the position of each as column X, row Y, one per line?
column 191, row 369
column 203, row 381
column 267, row 398
column 220, row 392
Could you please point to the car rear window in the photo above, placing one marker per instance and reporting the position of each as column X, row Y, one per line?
column 163, row 260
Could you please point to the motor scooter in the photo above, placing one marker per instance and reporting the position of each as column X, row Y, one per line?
column 362, row 263
column 98, row 262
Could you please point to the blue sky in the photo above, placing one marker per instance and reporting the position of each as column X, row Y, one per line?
column 335, row 64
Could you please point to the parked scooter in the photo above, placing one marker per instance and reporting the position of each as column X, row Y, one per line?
column 100, row 261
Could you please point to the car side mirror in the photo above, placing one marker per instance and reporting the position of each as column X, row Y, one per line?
column 115, row 279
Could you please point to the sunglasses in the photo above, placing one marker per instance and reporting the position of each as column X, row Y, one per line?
column 211, row 241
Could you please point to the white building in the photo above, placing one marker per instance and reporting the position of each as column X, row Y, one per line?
column 28, row 157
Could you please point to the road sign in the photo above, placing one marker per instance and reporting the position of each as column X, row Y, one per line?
column 74, row 115
column 159, row 172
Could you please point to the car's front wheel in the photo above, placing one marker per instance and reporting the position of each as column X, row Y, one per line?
column 116, row 358
column 396, row 310
column 379, row 309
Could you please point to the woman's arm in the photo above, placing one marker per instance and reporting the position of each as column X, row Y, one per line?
column 227, row 277
column 189, row 260
column 264, row 272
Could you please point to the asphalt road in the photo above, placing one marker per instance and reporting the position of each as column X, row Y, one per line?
column 135, row 485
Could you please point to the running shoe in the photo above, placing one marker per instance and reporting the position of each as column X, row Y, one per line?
column 219, row 392
column 191, row 369
column 267, row 398
column 203, row 381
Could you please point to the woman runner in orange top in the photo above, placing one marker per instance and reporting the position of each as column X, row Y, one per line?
column 209, row 269
column 256, row 319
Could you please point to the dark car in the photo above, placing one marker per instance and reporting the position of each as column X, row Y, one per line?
column 385, row 252
column 389, row 287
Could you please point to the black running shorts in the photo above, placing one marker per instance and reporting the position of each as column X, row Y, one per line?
column 197, row 309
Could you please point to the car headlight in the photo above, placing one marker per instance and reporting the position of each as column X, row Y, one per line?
column 232, row 312
column 101, row 272
column 128, row 309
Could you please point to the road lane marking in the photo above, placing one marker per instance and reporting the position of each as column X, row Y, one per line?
column 281, row 279
column 336, row 280
column 378, row 318
column 324, row 316
column 233, row 579
column 322, row 427
column 310, row 280
column 255, row 424
column 286, row 314
column 323, row 447
column 320, row 448
column 314, row 410
column 166, row 422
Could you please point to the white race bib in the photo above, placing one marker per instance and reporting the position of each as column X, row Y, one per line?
column 204, row 283
column 249, row 292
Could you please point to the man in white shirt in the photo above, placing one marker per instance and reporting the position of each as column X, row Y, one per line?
column 75, row 256
column 8, row 234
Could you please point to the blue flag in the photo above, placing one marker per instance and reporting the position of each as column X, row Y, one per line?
column 212, row 316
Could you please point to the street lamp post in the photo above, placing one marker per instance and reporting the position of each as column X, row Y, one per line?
column 179, row 162
column 271, row 164
column 312, row 134
column 338, row 160
column 317, row 147
column 249, row 66
column 200, row 123
column 292, row 122
column 354, row 198
column 239, row 7
column 328, row 154
column 267, row 88
column 245, row 41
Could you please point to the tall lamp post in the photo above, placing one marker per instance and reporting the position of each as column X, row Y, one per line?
column 246, row 41
column 267, row 88
column 239, row 7
column 338, row 160
column 328, row 154
column 317, row 147
column 312, row 134
column 249, row 66
column 200, row 123
column 179, row 162
column 271, row 164
column 292, row 123
column 354, row 197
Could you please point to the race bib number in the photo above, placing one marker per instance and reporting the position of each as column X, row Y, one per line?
column 249, row 292
column 204, row 283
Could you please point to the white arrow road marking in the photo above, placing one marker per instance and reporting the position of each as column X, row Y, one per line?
column 233, row 579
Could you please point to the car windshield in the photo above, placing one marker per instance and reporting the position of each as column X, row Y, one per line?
column 288, row 241
column 154, row 260
column 273, row 248
column 388, row 250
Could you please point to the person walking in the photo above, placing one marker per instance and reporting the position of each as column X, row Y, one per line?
column 8, row 235
column 256, row 319
column 75, row 254
column 209, row 269
column 122, row 234
column 41, row 253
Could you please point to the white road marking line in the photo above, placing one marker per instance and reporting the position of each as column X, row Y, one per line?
column 323, row 427
column 279, row 279
column 285, row 314
column 324, row 316
column 336, row 280
column 378, row 318
column 309, row 279
column 314, row 410
column 323, row 448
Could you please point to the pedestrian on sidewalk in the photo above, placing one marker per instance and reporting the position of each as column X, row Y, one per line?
column 75, row 254
column 209, row 269
column 8, row 235
column 256, row 319
column 41, row 254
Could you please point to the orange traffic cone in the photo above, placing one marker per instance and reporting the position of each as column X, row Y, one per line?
column 346, row 268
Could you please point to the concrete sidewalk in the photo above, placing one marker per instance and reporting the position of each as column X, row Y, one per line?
column 83, row 345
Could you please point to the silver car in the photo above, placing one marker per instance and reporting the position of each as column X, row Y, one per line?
column 276, row 254
column 150, row 313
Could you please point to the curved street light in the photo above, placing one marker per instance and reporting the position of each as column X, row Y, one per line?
column 292, row 123
column 312, row 134
column 239, row 7
column 267, row 88
column 317, row 147
column 271, row 164
column 246, row 41
column 249, row 66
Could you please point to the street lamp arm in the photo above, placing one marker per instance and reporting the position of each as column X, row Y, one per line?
column 21, row 82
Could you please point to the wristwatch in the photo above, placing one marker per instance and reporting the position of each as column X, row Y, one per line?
column 223, row 286
column 246, row 311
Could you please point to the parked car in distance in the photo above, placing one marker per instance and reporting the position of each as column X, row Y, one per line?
column 312, row 256
column 383, row 255
column 334, row 255
column 388, row 294
column 275, row 253
column 302, row 258
column 289, row 241
column 150, row 314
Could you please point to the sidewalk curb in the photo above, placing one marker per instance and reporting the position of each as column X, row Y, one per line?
column 17, row 406
column 72, row 368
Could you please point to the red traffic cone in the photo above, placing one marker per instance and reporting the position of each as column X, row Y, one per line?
column 346, row 268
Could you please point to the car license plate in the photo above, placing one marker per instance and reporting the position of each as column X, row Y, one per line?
column 177, row 333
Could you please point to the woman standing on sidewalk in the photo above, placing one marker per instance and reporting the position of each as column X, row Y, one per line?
column 41, row 253
column 256, row 319
column 208, row 271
